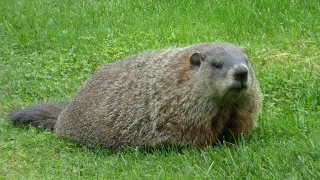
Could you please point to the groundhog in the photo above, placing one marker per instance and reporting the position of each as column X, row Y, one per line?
column 194, row 95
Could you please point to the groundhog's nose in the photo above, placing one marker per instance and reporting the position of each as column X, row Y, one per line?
column 241, row 73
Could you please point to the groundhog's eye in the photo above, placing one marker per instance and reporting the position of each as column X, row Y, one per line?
column 217, row 65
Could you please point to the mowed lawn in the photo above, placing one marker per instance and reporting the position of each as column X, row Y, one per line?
column 49, row 48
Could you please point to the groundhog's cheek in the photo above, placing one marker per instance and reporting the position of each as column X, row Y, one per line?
column 224, row 87
column 215, row 88
column 230, row 75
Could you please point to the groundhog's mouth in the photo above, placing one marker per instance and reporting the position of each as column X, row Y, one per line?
column 239, row 88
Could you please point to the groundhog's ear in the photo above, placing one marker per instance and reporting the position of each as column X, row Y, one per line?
column 196, row 58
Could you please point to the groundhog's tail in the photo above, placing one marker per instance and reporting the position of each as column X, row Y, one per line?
column 40, row 116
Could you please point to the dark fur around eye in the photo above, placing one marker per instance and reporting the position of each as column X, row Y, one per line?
column 216, row 65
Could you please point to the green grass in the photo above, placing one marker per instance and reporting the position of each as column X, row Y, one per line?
column 49, row 48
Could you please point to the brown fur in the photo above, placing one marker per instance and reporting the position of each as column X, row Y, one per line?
column 192, row 95
column 183, row 71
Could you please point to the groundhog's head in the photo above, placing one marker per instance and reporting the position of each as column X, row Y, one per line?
column 223, row 71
